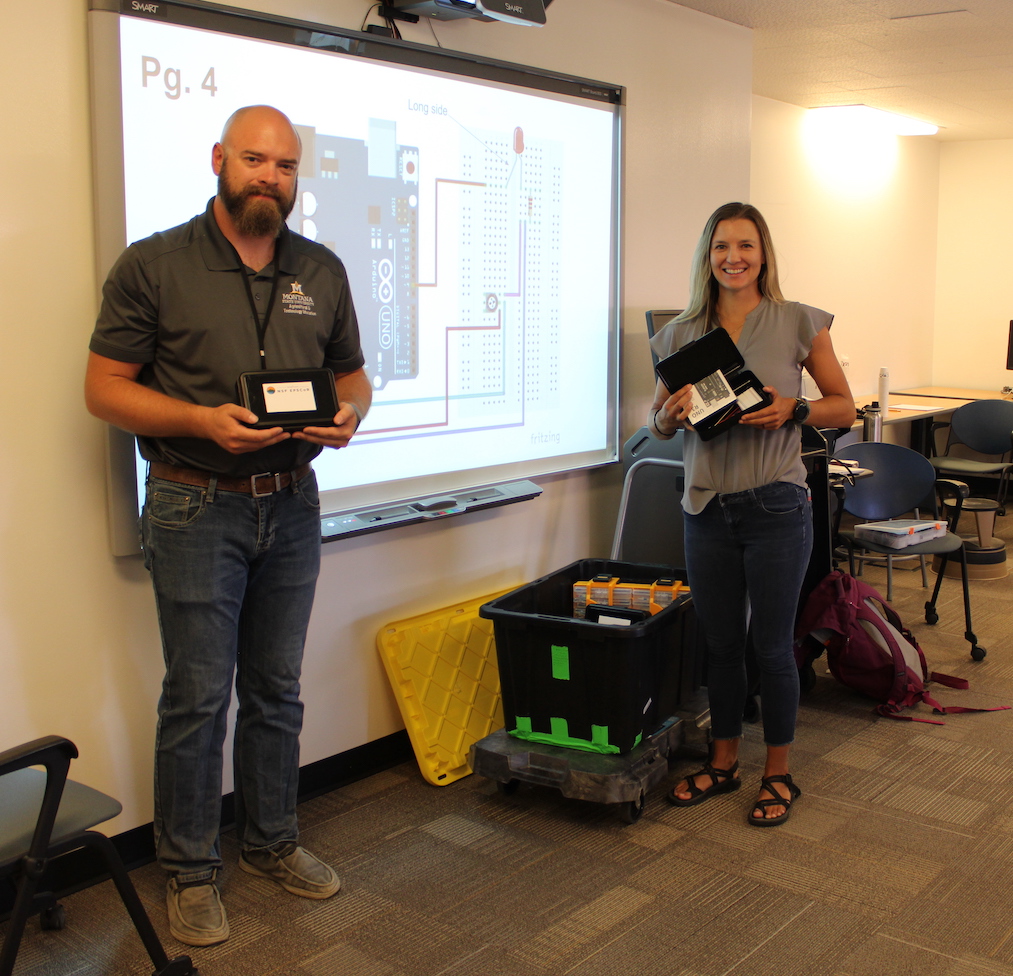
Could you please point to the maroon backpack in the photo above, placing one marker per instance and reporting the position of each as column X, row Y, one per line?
column 869, row 649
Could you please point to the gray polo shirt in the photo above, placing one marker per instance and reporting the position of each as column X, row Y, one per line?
column 176, row 303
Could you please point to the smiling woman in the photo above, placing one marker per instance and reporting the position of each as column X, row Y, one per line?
column 736, row 260
column 748, row 522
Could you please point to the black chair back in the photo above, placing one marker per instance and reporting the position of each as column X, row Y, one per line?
column 649, row 528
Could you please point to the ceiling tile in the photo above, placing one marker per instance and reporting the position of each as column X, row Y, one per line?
column 946, row 62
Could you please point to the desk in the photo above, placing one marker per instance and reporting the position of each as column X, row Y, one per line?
column 907, row 408
column 937, row 400
column 948, row 392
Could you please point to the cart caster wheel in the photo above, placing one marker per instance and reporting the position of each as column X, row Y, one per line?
column 632, row 811
column 53, row 919
column 931, row 617
column 509, row 787
column 978, row 653
column 807, row 679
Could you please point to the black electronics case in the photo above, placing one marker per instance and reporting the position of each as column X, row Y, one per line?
column 255, row 388
column 714, row 352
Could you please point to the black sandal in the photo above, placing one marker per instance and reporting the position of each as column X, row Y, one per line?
column 776, row 800
column 723, row 781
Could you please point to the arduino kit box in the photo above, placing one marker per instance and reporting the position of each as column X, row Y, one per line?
column 592, row 686
column 723, row 389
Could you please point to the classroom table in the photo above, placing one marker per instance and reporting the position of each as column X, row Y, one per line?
column 932, row 401
column 917, row 409
column 949, row 392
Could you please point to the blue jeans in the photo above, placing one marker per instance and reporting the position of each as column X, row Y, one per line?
column 234, row 578
column 746, row 556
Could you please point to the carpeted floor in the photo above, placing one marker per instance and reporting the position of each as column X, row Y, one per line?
column 897, row 859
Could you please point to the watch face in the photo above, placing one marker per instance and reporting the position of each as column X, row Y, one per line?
column 801, row 410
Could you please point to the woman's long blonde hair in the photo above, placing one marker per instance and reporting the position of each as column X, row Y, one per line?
column 703, row 287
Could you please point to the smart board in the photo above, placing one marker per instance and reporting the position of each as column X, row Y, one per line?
column 475, row 205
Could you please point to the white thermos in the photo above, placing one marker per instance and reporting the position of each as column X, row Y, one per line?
column 884, row 391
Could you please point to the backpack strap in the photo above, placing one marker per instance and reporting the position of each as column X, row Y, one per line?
column 949, row 680
column 892, row 710
column 960, row 683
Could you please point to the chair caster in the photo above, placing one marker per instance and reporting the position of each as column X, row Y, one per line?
column 931, row 617
column 978, row 653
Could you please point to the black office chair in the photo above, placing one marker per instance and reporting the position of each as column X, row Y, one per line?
column 902, row 480
column 657, row 319
column 986, row 427
column 44, row 815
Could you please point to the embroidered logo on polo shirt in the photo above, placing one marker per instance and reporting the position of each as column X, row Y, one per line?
column 296, row 303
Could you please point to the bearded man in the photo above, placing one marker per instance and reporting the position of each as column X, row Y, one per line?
column 231, row 522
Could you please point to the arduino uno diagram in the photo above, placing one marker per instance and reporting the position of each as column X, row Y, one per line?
column 453, row 258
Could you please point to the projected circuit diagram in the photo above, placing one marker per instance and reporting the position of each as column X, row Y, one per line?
column 453, row 259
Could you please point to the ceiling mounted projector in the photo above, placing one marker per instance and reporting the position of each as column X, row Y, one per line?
column 529, row 13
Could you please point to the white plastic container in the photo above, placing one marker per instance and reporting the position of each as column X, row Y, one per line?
column 900, row 533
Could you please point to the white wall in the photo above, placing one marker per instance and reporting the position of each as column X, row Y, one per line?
column 858, row 241
column 974, row 297
column 81, row 655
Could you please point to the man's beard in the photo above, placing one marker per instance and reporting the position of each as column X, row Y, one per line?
column 252, row 215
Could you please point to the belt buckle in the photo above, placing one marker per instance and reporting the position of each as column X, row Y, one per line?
column 270, row 491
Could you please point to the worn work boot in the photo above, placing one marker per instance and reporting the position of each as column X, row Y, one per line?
column 196, row 914
column 294, row 868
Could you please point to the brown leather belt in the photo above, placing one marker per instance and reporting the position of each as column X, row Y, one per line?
column 257, row 485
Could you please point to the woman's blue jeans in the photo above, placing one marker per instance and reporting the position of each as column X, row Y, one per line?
column 234, row 578
column 746, row 556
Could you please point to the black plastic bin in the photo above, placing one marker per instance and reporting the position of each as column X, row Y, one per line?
column 582, row 685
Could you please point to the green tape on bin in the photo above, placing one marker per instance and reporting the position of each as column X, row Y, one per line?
column 560, row 736
column 560, row 662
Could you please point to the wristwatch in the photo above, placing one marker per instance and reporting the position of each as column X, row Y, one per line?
column 801, row 412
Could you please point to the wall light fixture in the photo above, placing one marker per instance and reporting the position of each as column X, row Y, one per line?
column 875, row 120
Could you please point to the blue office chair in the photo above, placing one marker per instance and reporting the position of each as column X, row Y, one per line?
column 986, row 427
column 44, row 815
column 902, row 480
